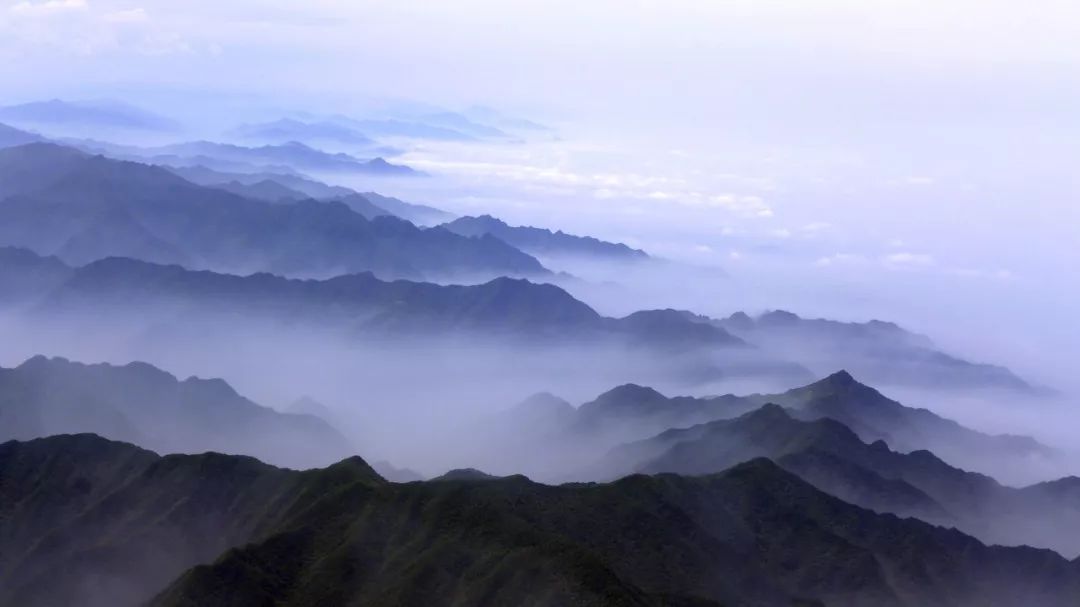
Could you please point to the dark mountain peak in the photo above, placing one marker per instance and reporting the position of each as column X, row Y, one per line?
column 356, row 468
column 542, row 241
column 740, row 320
column 628, row 395
column 778, row 317
column 40, row 361
column 884, row 325
column 214, row 387
column 23, row 255
column 839, row 385
column 114, row 266
column 519, row 297
column 769, row 411
column 466, row 474
column 660, row 315
column 840, row 379
column 677, row 326
column 140, row 403
column 485, row 220
column 61, row 367
column 759, row 468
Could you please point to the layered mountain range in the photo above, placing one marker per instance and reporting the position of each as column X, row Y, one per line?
column 882, row 352
column 503, row 310
column 59, row 201
column 632, row 412
column 544, row 243
column 141, row 404
column 284, row 187
column 125, row 485
column 836, row 459
column 107, row 114
column 105, row 523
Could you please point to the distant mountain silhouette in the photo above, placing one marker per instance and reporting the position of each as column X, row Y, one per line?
column 56, row 194
column 464, row 124
column 294, row 182
column 101, row 114
column 11, row 137
column 829, row 455
column 405, row 129
column 505, row 308
column 494, row 117
column 881, row 352
column 420, row 214
column 875, row 417
column 26, row 276
column 264, row 189
column 222, row 530
column 163, row 305
column 142, row 404
column 541, row 242
column 276, row 187
column 292, row 154
column 631, row 412
column 287, row 129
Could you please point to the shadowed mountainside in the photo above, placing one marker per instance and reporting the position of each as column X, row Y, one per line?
column 752, row 535
column 142, row 404
column 829, row 455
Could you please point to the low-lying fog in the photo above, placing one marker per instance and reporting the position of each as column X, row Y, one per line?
column 434, row 404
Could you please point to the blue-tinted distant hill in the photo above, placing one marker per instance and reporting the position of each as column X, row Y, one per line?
column 504, row 308
column 275, row 187
column 59, row 114
column 229, row 157
column 544, row 243
column 837, row 460
column 287, row 129
column 57, row 198
column 11, row 136
column 402, row 128
column 145, row 405
column 883, row 352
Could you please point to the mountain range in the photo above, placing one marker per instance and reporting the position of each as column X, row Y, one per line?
column 81, row 207
column 544, row 243
column 397, row 128
column 831, row 456
column 278, row 187
column 631, row 409
column 504, row 308
column 507, row 310
column 882, row 352
column 288, row 129
column 141, row 404
column 225, row 156
column 11, row 137
column 96, row 522
column 56, row 113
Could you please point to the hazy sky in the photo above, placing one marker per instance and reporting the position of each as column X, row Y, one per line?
column 914, row 158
